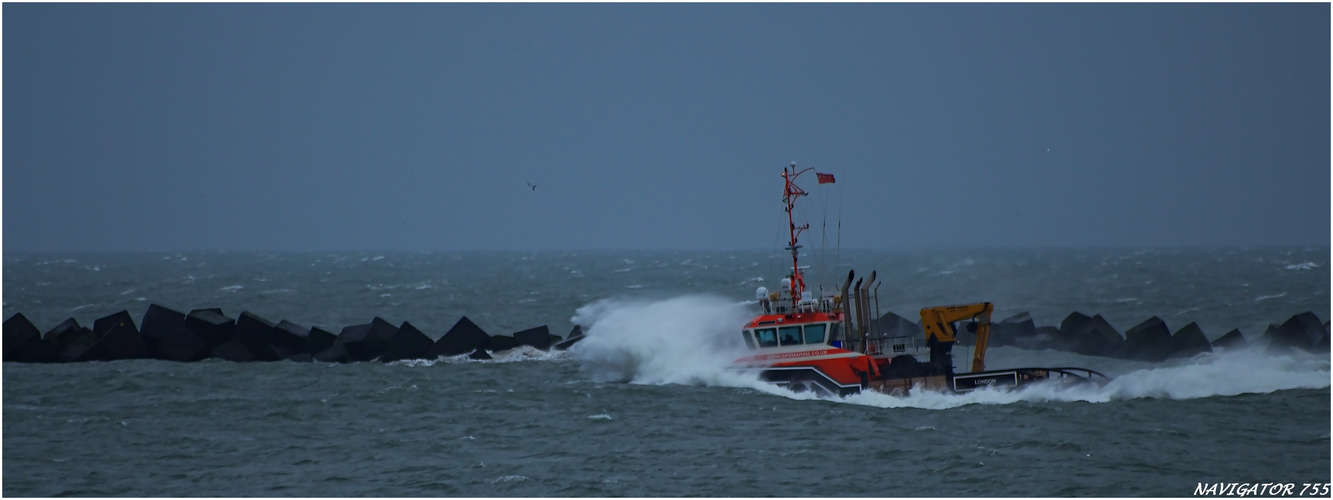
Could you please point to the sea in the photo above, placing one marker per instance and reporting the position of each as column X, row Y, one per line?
column 645, row 406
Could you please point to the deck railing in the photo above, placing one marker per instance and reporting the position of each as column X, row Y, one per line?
column 883, row 344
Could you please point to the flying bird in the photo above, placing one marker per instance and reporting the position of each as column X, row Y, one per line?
column 533, row 186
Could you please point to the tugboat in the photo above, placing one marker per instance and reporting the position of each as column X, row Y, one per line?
column 832, row 345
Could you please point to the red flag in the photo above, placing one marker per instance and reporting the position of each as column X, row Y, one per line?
column 825, row 178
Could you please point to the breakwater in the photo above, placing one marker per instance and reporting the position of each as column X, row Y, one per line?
column 201, row 334
column 167, row 334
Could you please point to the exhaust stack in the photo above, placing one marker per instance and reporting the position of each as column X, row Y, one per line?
column 846, row 308
column 863, row 310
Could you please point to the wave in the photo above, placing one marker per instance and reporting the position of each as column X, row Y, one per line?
column 515, row 355
column 692, row 340
column 682, row 340
column 1218, row 374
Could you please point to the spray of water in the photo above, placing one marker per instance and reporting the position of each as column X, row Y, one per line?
column 682, row 340
column 694, row 339
column 1229, row 373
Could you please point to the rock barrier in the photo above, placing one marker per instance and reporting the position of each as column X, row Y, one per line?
column 171, row 335
column 208, row 333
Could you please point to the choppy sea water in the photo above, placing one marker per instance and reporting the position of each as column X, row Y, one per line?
column 645, row 407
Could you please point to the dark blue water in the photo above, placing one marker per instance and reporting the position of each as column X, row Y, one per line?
column 645, row 406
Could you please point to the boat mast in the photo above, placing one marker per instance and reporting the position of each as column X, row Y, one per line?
column 789, row 194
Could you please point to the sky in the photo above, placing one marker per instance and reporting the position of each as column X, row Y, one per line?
column 275, row 127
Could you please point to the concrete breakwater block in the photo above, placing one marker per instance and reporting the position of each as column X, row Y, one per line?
column 1075, row 323
column 74, row 343
column 1090, row 336
column 1189, row 341
column 24, row 343
column 209, row 325
column 479, row 354
column 318, row 340
column 500, row 343
column 368, row 341
column 335, row 353
column 1074, row 334
column 1232, row 340
column 1301, row 331
column 1043, row 337
column 1148, row 341
column 407, row 343
column 166, row 337
column 1109, row 338
column 355, row 334
column 1012, row 331
column 256, row 334
column 289, row 339
column 17, row 331
column 232, row 350
column 464, row 337
column 894, row 325
column 120, row 338
column 574, row 337
column 539, row 337
column 157, row 325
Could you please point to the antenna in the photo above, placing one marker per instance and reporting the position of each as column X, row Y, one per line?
column 823, row 239
column 838, row 259
column 790, row 192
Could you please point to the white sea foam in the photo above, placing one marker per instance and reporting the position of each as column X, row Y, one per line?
column 1230, row 373
column 524, row 353
column 517, row 354
column 48, row 262
column 682, row 340
column 415, row 362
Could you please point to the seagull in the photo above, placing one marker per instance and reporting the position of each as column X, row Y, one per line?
column 533, row 186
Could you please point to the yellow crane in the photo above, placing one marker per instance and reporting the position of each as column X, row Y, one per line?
column 938, row 325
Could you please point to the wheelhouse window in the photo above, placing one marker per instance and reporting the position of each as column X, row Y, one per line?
column 749, row 341
column 814, row 334
column 767, row 337
column 835, row 333
column 790, row 335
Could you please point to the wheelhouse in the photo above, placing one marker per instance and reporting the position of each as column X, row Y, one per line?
column 822, row 333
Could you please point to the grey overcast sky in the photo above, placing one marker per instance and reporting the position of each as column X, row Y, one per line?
column 418, row 126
